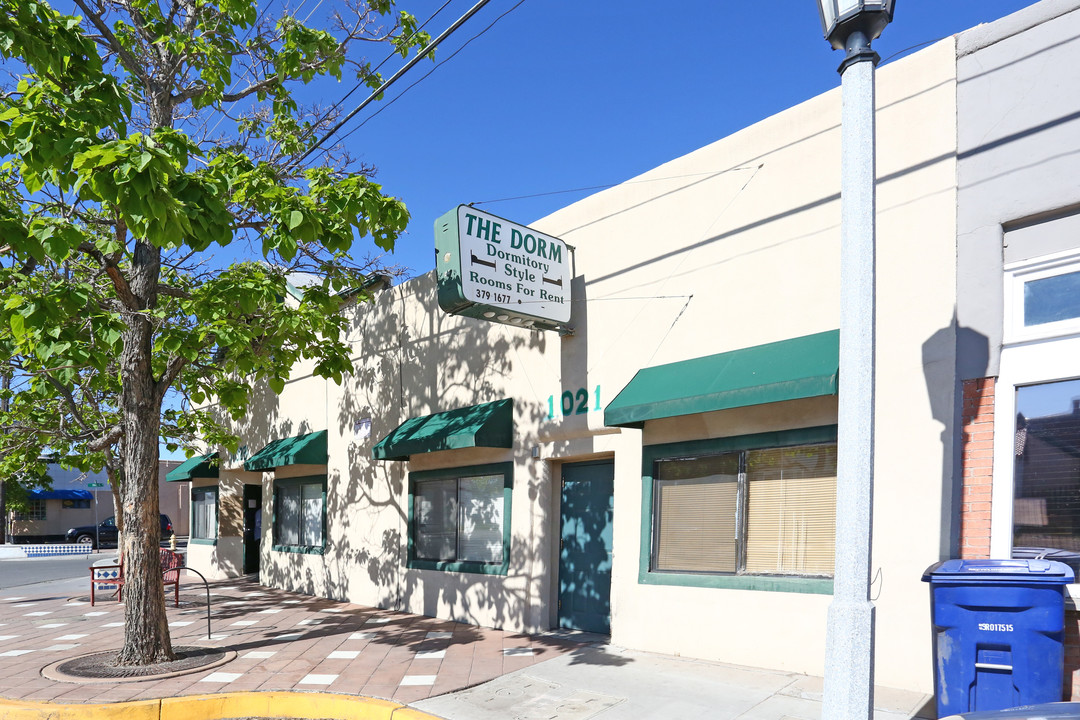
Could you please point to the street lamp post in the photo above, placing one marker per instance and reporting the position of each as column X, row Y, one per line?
column 851, row 25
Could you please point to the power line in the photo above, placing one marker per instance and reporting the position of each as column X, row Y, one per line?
column 610, row 185
column 310, row 131
column 395, row 77
column 433, row 69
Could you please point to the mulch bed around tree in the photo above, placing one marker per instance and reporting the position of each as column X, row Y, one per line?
column 100, row 666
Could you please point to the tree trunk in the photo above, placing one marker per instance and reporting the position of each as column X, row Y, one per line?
column 146, row 629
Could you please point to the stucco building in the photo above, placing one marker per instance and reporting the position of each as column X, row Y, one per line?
column 664, row 468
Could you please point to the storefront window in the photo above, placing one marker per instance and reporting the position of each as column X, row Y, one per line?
column 204, row 513
column 1046, row 484
column 459, row 519
column 769, row 511
column 35, row 510
column 300, row 514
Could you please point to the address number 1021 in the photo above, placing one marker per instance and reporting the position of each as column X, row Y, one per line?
column 574, row 402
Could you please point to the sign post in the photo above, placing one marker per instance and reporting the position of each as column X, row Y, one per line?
column 97, row 525
column 495, row 269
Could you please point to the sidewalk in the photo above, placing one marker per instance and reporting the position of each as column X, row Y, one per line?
column 292, row 642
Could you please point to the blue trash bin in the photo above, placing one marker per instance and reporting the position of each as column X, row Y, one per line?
column 999, row 630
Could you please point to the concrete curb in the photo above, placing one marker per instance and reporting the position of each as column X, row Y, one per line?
column 12, row 552
column 272, row 704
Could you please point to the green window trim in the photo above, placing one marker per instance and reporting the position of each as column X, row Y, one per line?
column 203, row 490
column 506, row 469
column 299, row 549
column 650, row 454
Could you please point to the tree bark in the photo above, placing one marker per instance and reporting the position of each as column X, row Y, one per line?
column 146, row 629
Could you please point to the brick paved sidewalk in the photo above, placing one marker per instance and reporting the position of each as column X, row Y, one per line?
column 283, row 641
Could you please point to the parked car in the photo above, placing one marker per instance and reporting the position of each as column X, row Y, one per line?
column 106, row 532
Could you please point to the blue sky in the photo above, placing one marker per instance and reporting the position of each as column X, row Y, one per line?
column 565, row 94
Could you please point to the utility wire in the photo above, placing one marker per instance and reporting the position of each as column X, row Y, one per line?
column 609, row 185
column 436, row 67
column 310, row 131
column 913, row 47
column 394, row 78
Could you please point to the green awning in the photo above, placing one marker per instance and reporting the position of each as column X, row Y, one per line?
column 309, row 449
column 199, row 466
column 487, row 425
column 787, row 370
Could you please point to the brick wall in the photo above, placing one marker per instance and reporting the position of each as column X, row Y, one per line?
column 977, row 458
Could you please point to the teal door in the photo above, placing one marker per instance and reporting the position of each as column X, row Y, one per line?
column 588, row 504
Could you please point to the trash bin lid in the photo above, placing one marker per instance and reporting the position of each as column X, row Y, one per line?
column 999, row 571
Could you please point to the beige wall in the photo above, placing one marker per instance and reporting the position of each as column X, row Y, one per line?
column 731, row 246
column 757, row 248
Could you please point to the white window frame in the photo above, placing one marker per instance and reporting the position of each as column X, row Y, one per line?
column 1021, row 272
column 1025, row 364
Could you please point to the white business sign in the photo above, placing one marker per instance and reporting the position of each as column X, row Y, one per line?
column 512, row 266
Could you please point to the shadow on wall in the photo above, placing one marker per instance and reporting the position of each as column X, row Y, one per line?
column 411, row 359
column 945, row 355
column 224, row 565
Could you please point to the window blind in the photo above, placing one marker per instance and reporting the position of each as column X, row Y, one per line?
column 204, row 512
column 480, row 523
column 435, row 513
column 696, row 511
column 311, row 523
column 287, row 514
column 791, row 510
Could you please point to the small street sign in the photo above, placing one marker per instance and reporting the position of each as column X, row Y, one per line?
column 95, row 484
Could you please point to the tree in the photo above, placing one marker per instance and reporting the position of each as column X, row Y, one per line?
column 116, row 189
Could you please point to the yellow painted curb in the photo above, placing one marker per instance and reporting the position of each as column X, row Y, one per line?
column 134, row 710
column 275, row 704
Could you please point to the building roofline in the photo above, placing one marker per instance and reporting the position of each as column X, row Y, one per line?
column 987, row 34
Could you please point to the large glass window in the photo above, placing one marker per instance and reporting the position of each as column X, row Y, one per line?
column 204, row 513
column 300, row 513
column 35, row 510
column 1046, row 479
column 768, row 511
column 459, row 519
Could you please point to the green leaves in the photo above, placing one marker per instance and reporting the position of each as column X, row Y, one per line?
column 107, row 230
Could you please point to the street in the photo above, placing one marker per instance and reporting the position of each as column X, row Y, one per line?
column 29, row 571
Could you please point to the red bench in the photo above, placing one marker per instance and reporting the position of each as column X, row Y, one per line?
column 109, row 576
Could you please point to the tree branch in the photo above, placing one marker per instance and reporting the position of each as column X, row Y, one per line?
column 130, row 61
column 110, row 438
column 172, row 369
column 175, row 292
